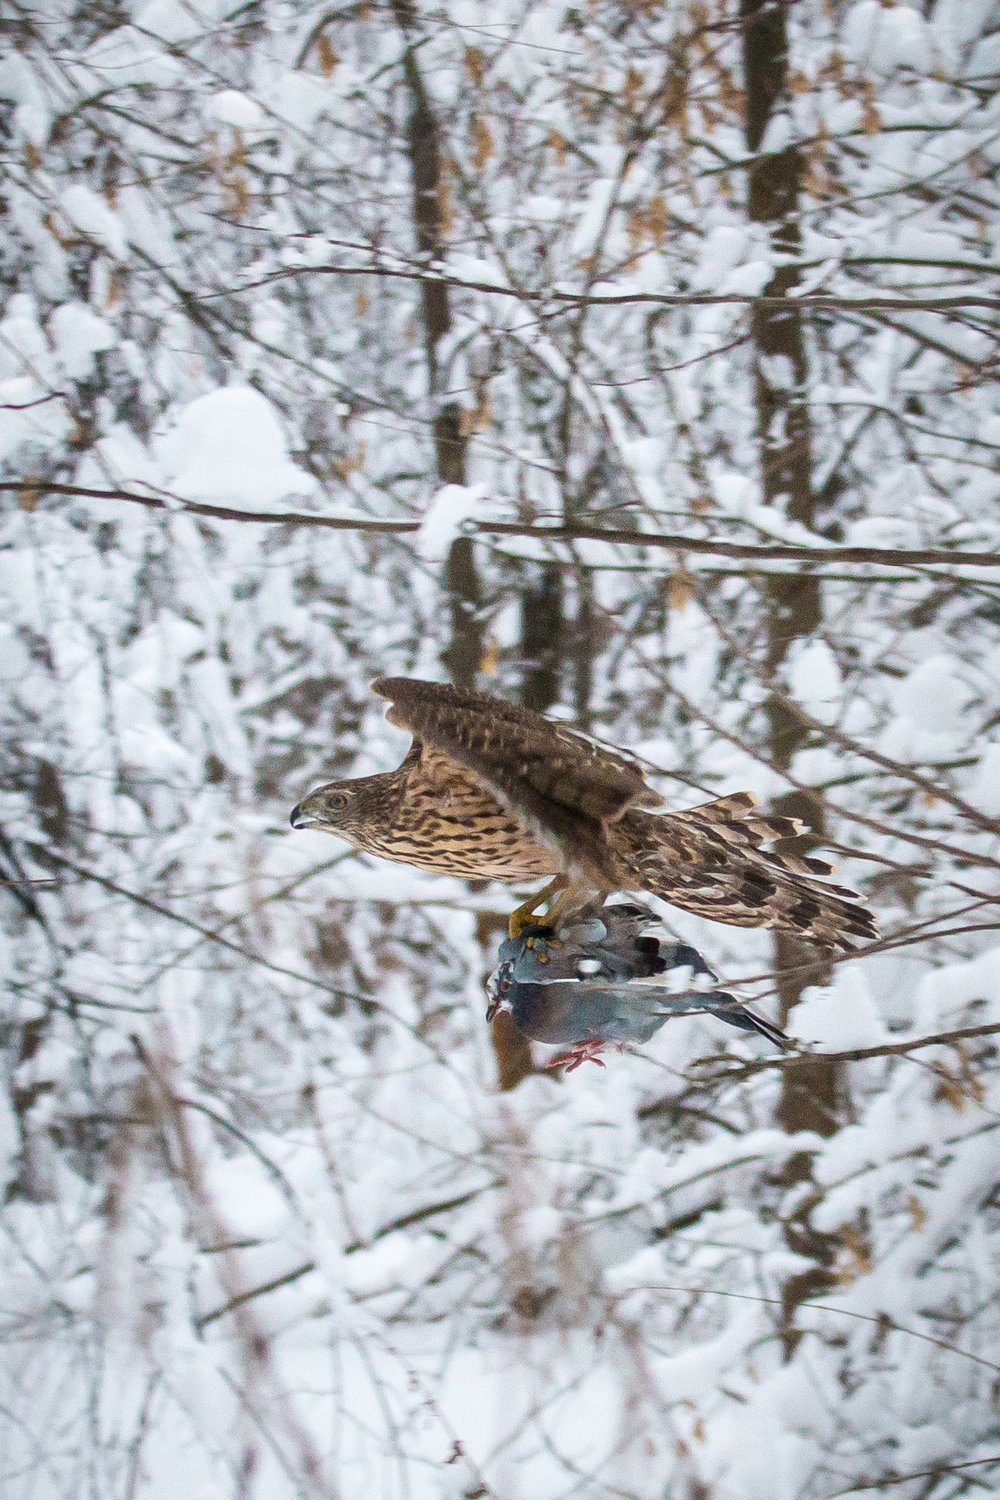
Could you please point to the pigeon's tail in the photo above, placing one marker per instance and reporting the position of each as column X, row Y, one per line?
column 728, row 1008
column 713, row 860
column 719, row 1003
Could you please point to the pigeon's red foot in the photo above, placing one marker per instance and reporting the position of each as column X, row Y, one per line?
column 581, row 1052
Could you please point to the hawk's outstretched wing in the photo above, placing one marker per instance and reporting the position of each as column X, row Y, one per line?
column 563, row 787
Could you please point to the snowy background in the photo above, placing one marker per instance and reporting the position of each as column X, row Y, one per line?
column 281, row 1217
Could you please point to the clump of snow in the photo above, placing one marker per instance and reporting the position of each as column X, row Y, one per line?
column 842, row 1015
column 888, row 37
column 229, row 447
column 882, row 531
column 22, row 421
column 230, row 107
column 985, row 788
column 172, row 21
column 449, row 509
column 747, row 280
column 248, row 1200
column 300, row 98
column 475, row 268
column 814, row 676
column 21, row 338
column 736, row 493
column 9, row 1140
column 724, row 248
column 90, row 213
column 78, row 334
column 933, row 695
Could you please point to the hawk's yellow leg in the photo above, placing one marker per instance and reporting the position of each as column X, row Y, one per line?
column 521, row 916
column 570, row 897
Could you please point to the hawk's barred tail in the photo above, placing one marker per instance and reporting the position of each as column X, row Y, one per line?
column 710, row 860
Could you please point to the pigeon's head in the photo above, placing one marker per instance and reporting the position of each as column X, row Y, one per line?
column 498, row 988
column 519, row 962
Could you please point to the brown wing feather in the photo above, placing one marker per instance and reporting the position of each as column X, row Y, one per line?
column 564, row 790
column 511, row 748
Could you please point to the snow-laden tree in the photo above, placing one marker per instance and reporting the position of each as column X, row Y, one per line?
column 634, row 359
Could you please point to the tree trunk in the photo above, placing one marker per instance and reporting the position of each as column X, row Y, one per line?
column 810, row 1089
column 541, row 636
column 464, row 650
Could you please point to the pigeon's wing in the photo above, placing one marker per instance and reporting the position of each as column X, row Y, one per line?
column 634, row 946
column 728, row 1008
column 560, row 785
column 622, row 944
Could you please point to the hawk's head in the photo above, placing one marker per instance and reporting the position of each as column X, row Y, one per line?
column 354, row 810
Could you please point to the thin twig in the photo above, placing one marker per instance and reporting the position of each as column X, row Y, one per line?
column 852, row 1054
column 884, row 1484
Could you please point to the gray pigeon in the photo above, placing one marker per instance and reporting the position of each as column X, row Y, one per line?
column 610, row 975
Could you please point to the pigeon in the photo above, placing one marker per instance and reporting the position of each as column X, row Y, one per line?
column 610, row 975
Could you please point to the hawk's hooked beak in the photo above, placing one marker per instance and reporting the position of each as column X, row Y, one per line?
column 300, row 819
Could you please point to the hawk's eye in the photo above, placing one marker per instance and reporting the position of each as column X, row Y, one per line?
column 336, row 801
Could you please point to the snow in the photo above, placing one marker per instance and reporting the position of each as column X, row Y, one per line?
column 446, row 514
column 233, row 108
column 476, row 269
column 22, row 341
column 895, row 36
column 930, row 701
column 985, row 788
column 175, row 22
column 78, row 334
column 840, row 1016
column 814, row 677
column 24, row 420
column 9, row 1142
column 270, row 1223
column 300, row 99
column 86, row 211
column 229, row 447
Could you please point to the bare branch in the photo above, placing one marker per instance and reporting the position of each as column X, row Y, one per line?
column 818, row 301
column 676, row 542
column 854, row 1054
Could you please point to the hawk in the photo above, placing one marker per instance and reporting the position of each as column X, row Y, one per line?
column 491, row 791
column 609, row 976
